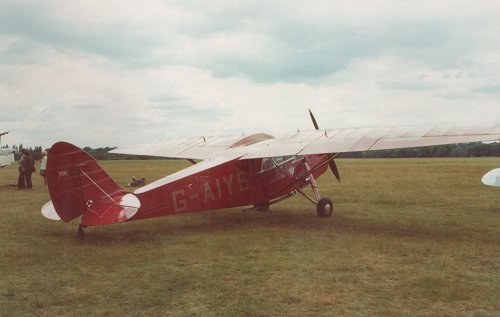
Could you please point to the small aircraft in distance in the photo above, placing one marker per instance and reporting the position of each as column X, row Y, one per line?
column 6, row 154
column 492, row 178
column 257, row 170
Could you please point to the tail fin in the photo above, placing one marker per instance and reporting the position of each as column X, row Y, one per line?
column 79, row 186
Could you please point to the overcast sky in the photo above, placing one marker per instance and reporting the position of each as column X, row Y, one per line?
column 109, row 73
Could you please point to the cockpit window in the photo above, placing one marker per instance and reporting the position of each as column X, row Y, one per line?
column 267, row 164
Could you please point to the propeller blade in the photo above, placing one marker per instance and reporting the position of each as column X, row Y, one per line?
column 335, row 170
column 331, row 163
column 313, row 120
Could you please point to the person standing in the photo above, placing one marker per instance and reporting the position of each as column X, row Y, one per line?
column 28, row 166
column 43, row 167
column 21, row 181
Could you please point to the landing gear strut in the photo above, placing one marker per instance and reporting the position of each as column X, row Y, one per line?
column 324, row 206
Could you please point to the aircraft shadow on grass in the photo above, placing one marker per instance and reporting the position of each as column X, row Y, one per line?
column 236, row 223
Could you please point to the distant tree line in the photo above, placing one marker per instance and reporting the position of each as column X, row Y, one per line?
column 98, row 153
column 451, row 150
column 103, row 154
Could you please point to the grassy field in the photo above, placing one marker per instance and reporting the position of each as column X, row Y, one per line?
column 409, row 237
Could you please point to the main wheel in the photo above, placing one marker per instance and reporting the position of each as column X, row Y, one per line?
column 324, row 208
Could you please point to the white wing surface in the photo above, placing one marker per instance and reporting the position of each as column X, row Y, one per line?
column 6, row 157
column 199, row 148
column 368, row 139
column 313, row 142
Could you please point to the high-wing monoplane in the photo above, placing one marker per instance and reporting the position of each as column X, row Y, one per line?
column 6, row 154
column 256, row 171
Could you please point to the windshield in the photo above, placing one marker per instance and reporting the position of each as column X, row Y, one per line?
column 268, row 163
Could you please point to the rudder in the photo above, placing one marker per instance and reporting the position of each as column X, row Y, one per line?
column 79, row 186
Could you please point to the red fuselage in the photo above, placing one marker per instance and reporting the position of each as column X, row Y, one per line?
column 235, row 183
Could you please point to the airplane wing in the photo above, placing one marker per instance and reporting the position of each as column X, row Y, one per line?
column 191, row 170
column 313, row 142
column 199, row 148
column 6, row 157
column 6, row 154
column 368, row 139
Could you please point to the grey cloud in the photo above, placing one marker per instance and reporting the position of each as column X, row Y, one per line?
column 489, row 89
column 35, row 23
column 180, row 107
column 302, row 50
column 306, row 50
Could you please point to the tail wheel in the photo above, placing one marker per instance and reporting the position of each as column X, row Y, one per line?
column 80, row 234
column 324, row 208
column 263, row 207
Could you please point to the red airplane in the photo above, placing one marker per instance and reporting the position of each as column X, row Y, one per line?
column 256, row 171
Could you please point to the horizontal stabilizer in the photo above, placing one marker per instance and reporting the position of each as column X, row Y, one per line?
column 49, row 212
column 111, row 210
column 492, row 178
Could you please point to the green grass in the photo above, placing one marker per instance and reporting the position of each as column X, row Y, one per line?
column 409, row 237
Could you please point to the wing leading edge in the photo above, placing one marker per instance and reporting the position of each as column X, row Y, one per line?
column 368, row 139
column 313, row 142
column 199, row 148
